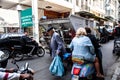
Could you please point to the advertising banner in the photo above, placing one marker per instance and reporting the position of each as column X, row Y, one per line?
column 9, row 18
column 26, row 18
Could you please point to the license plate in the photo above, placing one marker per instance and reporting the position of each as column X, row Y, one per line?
column 75, row 77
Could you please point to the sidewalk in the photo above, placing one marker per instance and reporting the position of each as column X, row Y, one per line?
column 113, row 73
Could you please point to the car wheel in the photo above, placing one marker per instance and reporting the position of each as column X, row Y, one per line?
column 40, row 52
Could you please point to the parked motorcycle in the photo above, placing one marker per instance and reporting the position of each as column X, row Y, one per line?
column 83, row 70
column 19, row 52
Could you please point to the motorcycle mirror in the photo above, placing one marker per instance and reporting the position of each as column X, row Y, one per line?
column 3, row 56
column 26, row 65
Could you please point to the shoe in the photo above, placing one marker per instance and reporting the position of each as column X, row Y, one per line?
column 99, row 76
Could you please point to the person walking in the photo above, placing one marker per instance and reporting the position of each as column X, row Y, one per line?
column 56, row 43
column 57, row 46
column 82, row 47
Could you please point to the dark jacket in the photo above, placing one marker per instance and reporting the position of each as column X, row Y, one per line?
column 94, row 41
column 57, row 45
column 117, row 32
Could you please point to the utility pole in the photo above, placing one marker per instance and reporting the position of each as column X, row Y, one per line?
column 35, row 20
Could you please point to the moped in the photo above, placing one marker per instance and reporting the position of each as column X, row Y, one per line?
column 83, row 70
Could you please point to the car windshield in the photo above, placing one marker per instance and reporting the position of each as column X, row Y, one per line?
column 3, row 36
column 10, row 35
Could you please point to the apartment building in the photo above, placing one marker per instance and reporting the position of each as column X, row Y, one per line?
column 119, row 10
column 95, row 12
column 62, row 8
column 111, row 9
column 92, row 10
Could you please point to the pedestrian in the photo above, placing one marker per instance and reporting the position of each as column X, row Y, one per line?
column 57, row 46
column 96, row 47
column 9, row 74
column 82, row 47
column 56, row 43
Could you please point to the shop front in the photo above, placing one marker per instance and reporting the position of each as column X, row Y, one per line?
column 9, row 21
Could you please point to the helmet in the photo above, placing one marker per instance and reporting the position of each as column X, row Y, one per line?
column 3, row 56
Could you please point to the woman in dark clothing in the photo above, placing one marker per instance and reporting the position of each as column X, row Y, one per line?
column 96, row 46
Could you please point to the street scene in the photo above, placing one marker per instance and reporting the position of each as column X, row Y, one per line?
column 59, row 39
column 41, row 65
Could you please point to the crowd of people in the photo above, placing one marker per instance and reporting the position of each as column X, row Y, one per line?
column 83, row 44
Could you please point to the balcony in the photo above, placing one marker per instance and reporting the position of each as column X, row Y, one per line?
column 57, row 5
column 109, row 15
column 85, row 12
column 85, row 8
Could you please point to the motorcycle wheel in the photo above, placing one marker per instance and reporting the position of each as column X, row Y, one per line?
column 40, row 52
column 5, row 50
column 18, row 55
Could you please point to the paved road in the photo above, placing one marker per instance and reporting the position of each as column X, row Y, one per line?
column 108, row 58
column 41, row 67
column 41, row 64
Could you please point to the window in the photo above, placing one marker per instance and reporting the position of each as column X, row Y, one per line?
column 90, row 2
column 81, row 3
column 67, row 0
column 77, row 2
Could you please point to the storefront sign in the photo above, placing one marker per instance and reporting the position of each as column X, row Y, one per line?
column 9, row 18
column 26, row 18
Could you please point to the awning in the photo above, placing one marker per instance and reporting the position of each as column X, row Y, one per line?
column 86, row 14
column 91, row 15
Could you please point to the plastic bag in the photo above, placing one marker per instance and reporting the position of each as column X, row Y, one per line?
column 56, row 68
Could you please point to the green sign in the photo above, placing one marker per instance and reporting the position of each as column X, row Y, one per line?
column 26, row 18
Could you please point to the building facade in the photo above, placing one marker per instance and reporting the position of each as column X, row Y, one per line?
column 95, row 12
column 111, row 9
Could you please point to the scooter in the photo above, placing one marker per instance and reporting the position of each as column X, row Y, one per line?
column 3, row 59
column 83, row 70
column 23, row 70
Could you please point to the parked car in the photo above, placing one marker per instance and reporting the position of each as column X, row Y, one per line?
column 8, row 40
column 6, row 43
